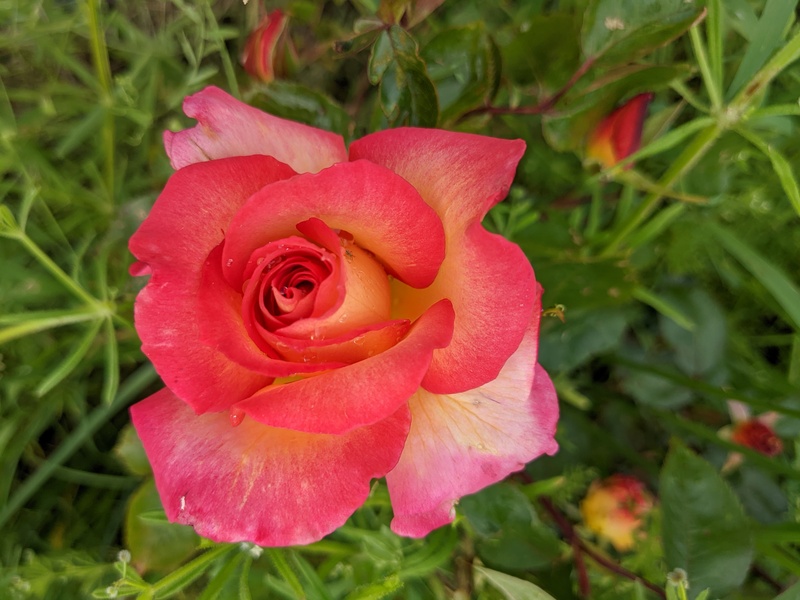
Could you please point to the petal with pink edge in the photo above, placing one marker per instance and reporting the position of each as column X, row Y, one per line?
column 227, row 127
column 381, row 211
column 459, row 444
column 359, row 394
column 272, row 487
column 461, row 175
column 492, row 287
column 186, row 223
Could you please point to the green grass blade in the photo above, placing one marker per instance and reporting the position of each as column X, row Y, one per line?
column 132, row 386
column 779, row 163
column 72, row 360
column 780, row 286
column 767, row 38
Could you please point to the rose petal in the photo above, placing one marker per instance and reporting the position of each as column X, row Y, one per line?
column 359, row 394
column 493, row 290
column 460, row 443
column 383, row 213
column 254, row 483
column 460, row 175
column 226, row 127
column 219, row 312
column 488, row 278
column 186, row 223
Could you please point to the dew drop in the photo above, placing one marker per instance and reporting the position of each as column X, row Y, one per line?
column 359, row 341
column 229, row 262
column 480, row 446
column 236, row 417
column 343, row 318
column 476, row 402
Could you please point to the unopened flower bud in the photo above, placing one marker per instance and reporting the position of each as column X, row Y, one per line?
column 264, row 50
column 619, row 134
column 614, row 509
column 757, row 435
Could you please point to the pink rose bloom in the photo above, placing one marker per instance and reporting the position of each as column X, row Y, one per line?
column 322, row 317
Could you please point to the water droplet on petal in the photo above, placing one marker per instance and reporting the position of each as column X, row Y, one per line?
column 229, row 262
column 480, row 446
column 359, row 341
column 343, row 318
column 476, row 402
column 236, row 417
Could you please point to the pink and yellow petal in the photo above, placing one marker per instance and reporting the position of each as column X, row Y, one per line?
column 359, row 394
column 173, row 244
column 460, row 443
column 272, row 487
column 227, row 127
column 492, row 287
column 460, row 175
column 381, row 211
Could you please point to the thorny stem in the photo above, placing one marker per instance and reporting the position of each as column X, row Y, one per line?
column 580, row 548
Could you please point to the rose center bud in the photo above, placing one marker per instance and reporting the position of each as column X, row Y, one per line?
column 312, row 290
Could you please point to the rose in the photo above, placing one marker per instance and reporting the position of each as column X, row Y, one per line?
column 619, row 134
column 264, row 51
column 614, row 509
column 321, row 319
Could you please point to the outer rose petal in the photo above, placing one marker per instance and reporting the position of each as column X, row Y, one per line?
column 488, row 278
column 460, row 175
column 227, row 127
column 493, row 290
column 461, row 443
column 254, row 483
column 383, row 212
column 359, row 394
column 186, row 223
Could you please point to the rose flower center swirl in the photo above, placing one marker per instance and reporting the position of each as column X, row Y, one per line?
column 305, row 296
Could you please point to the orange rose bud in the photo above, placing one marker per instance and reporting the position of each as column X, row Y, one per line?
column 620, row 134
column 263, row 52
column 757, row 435
column 614, row 509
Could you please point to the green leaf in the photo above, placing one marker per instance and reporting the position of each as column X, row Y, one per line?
column 783, row 289
column 619, row 31
column 297, row 102
column 766, row 37
column 407, row 95
column 380, row 58
column 701, row 351
column 130, row 452
column 356, row 44
column 793, row 593
column 546, row 53
column 464, row 64
column 586, row 333
column 377, row 590
column 155, row 546
column 509, row 532
column 183, row 577
column 513, row 588
column 705, row 531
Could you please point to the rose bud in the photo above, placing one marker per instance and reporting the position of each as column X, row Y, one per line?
column 324, row 316
column 614, row 509
column 754, row 432
column 757, row 435
column 264, row 51
column 619, row 134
